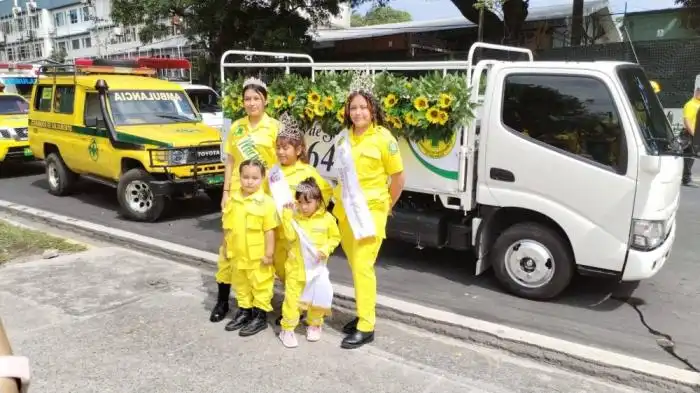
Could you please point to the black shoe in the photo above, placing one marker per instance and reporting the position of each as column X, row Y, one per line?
column 255, row 325
column 351, row 327
column 243, row 316
column 221, row 308
column 357, row 339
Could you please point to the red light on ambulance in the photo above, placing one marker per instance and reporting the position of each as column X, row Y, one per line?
column 160, row 63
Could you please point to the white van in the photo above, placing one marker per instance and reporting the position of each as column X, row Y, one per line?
column 586, row 180
column 206, row 100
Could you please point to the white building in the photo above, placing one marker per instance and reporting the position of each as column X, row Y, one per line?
column 31, row 29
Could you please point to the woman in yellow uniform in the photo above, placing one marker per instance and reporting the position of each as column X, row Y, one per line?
column 370, row 171
column 251, row 137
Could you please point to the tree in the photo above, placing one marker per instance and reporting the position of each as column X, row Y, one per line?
column 691, row 13
column 379, row 15
column 495, row 29
column 219, row 25
column 58, row 55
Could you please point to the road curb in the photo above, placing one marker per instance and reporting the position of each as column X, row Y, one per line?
column 628, row 370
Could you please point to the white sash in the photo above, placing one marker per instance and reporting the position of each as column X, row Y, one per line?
column 354, row 202
column 318, row 291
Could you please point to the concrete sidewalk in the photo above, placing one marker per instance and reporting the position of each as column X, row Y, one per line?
column 113, row 320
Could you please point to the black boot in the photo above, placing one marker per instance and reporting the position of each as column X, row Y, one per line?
column 242, row 317
column 256, row 325
column 351, row 326
column 221, row 308
column 357, row 339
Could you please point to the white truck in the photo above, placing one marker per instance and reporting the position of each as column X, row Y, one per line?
column 568, row 167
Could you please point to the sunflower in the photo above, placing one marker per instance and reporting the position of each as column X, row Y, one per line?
column 319, row 110
column 410, row 119
column 314, row 97
column 397, row 123
column 278, row 102
column 445, row 100
column 309, row 112
column 433, row 115
column 340, row 115
column 443, row 117
column 390, row 101
column 421, row 103
column 290, row 98
column 328, row 102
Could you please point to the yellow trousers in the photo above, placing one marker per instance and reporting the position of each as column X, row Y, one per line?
column 254, row 287
column 224, row 268
column 293, row 288
column 362, row 254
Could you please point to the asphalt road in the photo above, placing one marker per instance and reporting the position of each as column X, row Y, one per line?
column 658, row 320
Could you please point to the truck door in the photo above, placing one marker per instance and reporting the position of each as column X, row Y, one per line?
column 555, row 144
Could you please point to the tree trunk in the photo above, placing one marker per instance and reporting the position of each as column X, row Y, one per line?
column 577, row 23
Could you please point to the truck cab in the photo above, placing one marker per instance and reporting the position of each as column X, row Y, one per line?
column 119, row 125
column 14, row 144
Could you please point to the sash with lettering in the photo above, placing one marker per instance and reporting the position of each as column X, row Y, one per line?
column 354, row 202
column 246, row 146
column 318, row 290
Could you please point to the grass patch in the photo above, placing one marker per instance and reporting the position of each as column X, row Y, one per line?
column 17, row 242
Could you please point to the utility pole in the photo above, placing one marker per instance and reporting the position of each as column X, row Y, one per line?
column 577, row 23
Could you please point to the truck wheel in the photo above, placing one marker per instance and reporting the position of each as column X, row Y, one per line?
column 61, row 179
column 215, row 194
column 136, row 197
column 532, row 261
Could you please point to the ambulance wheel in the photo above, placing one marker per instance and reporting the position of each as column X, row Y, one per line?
column 533, row 261
column 136, row 197
column 61, row 179
column 215, row 194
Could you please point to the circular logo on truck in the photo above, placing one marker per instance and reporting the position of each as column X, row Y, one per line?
column 436, row 148
column 93, row 150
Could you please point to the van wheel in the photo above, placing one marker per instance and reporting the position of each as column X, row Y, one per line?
column 532, row 261
column 61, row 179
column 136, row 197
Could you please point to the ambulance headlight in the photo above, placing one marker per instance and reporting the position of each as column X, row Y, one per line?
column 178, row 157
column 5, row 133
column 647, row 234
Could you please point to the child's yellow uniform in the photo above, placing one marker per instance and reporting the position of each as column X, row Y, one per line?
column 245, row 142
column 295, row 174
column 245, row 221
column 322, row 229
column 376, row 157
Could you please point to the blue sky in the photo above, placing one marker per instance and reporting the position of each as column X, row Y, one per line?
column 439, row 9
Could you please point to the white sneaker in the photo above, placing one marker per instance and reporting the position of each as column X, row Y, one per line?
column 313, row 333
column 289, row 339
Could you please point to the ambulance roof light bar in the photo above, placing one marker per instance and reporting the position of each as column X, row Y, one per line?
column 164, row 63
column 103, row 66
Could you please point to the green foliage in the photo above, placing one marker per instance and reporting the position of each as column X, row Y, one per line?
column 379, row 15
column 690, row 13
column 429, row 107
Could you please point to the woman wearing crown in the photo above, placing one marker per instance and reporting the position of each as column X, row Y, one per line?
column 371, row 179
column 250, row 137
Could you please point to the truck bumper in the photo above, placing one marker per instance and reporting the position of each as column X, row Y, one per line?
column 645, row 264
column 16, row 152
column 187, row 185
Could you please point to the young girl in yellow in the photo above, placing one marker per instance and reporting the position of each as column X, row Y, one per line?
column 249, row 220
column 313, row 234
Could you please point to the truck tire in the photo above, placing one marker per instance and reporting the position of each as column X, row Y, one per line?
column 61, row 180
column 532, row 261
column 215, row 194
column 136, row 197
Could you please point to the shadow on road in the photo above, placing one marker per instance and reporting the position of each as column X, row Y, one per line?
column 15, row 169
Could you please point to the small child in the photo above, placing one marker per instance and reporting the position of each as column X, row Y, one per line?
column 313, row 234
column 249, row 220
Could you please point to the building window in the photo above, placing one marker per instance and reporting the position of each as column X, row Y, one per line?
column 64, row 99
column 573, row 114
column 23, row 53
column 75, row 44
column 87, row 42
column 62, row 46
column 38, row 51
column 59, row 19
column 73, row 15
column 10, row 54
column 20, row 24
column 35, row 22
column 85, row 14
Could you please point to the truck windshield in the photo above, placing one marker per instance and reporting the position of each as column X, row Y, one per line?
column 206, row 101
column 150, row 107
column 653, row 124
column 13, row 105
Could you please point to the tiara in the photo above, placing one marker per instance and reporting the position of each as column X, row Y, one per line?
column 289, row 128
column 253, row 81
column 304, row 188
column 362, row 82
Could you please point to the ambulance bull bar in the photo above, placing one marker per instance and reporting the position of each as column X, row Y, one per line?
column 207, row 153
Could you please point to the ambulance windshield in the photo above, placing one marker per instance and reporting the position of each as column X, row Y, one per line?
column 13, row 105
column 150, row 107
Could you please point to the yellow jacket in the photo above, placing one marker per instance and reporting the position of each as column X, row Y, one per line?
column 244, row 142
column 321, row 228
column 295, row 174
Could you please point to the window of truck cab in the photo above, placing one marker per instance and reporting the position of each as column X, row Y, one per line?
column 139, row 107
column 575, row 115
column 13, row 105
column 206, row 101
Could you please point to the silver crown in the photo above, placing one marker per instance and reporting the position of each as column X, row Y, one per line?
column 289, row 128
column 305, row 188
column 253, row 81
column 362, row 82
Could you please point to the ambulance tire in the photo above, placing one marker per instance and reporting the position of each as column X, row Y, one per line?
column 215, row 194
column 60, row 179
column 136, row 198
column 541, row 270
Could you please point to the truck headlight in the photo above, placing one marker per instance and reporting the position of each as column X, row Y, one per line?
column 178, row 157
column 5, row 133
column 647, row 234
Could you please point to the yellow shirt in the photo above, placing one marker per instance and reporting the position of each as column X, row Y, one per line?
column 246, row 142
column 322, row 230
column 690, row 112
column 299, row 171
column 377, row 157
column 245, row 221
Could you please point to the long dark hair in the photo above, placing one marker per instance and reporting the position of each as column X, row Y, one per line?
column 375, row 109
column 253, row 162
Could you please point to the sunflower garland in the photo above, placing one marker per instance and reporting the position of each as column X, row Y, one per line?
column 431, row 106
